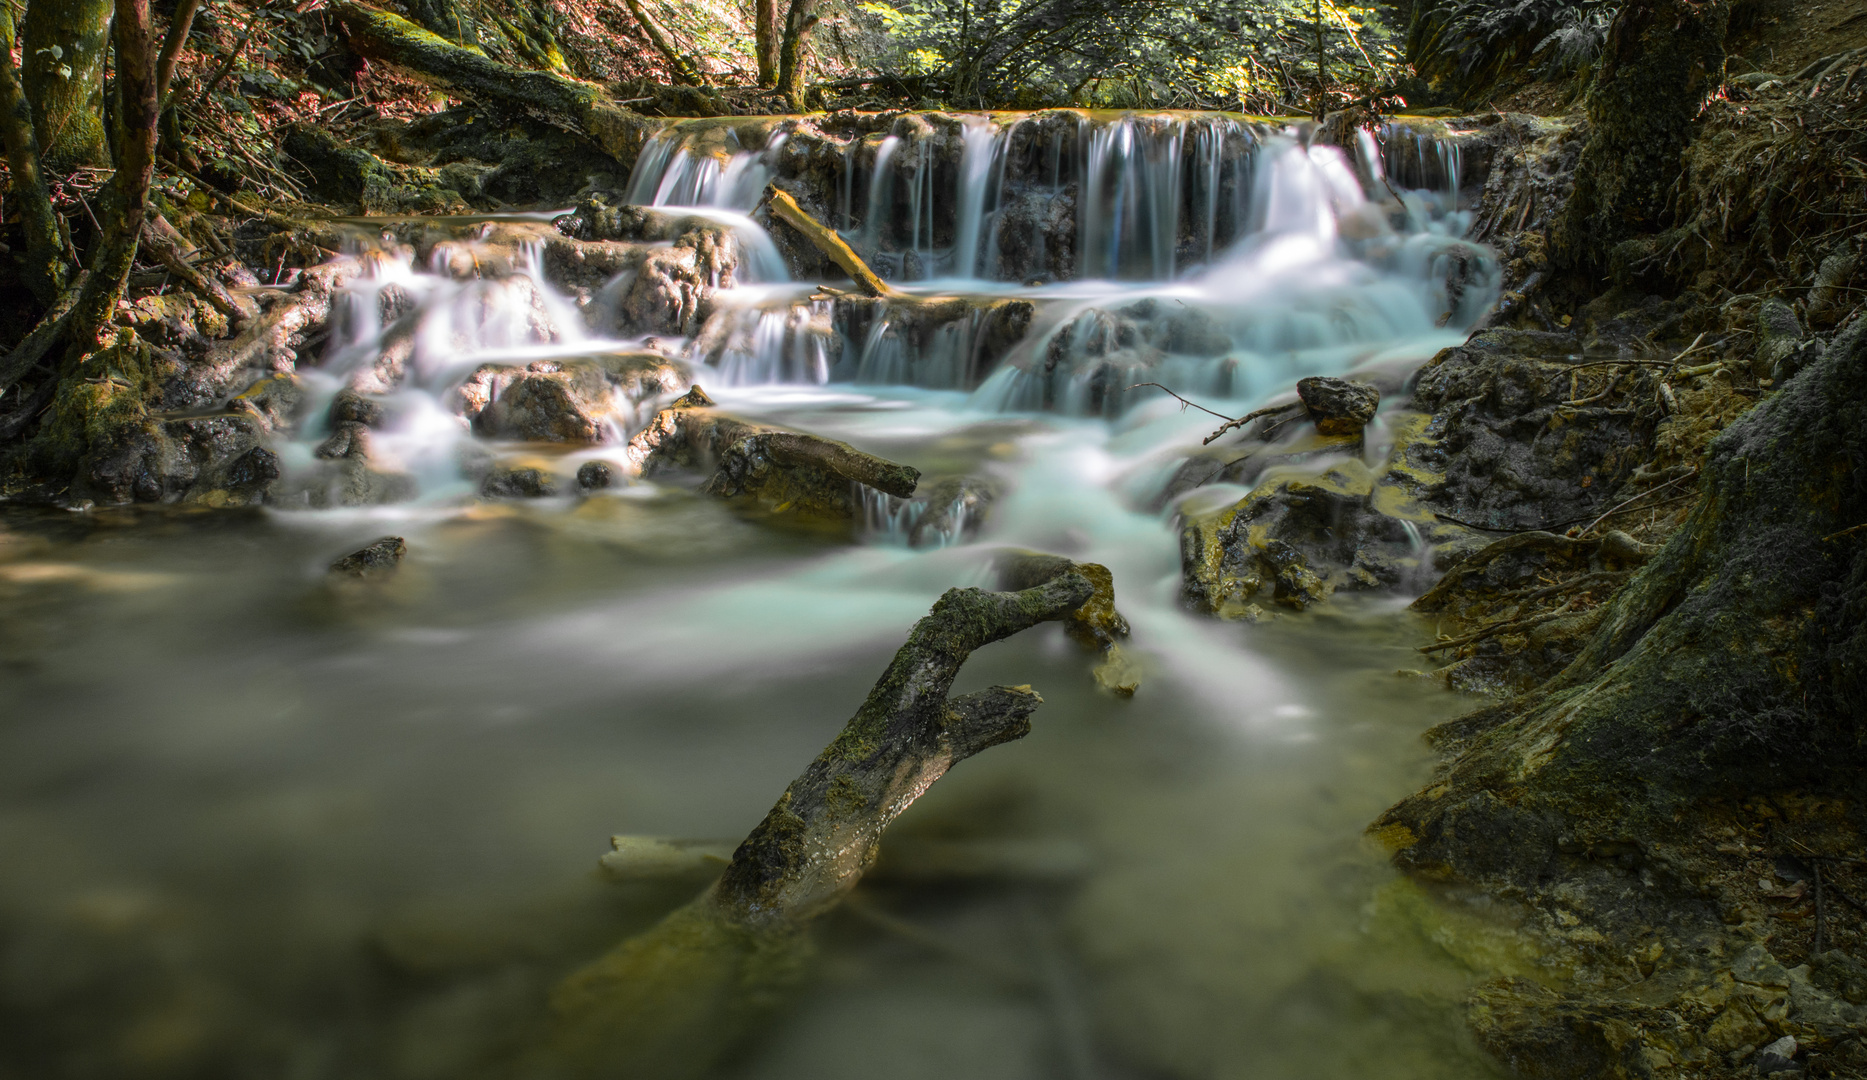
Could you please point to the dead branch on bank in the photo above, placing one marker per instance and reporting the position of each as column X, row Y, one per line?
column 670, row 1002
column 825, row 240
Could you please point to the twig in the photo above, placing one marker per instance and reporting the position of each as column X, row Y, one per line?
column 1495, row 629
column 1185, row 402
column 1636, row 499
column 1589, row 580
column 1821, row 914
column 1844, row 532
column 227, row 65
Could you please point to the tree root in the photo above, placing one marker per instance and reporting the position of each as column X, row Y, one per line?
column 670, row 1002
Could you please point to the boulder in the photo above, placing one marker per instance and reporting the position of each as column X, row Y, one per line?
column 1338, row 406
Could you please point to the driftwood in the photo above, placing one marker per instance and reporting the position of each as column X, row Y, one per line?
column 670, row 1002
column 782, row 470
column 826, row 241
column 379, row 35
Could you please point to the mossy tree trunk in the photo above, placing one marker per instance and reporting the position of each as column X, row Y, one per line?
column 765, row 30
column 64, row 48
column 1733, row 666
column 45, row 270
column 793, row 50
column 1663, row 58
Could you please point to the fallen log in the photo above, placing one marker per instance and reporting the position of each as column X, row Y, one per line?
column 782, row 470
column 379, row 35
column 672, row 1001
column 826, row 241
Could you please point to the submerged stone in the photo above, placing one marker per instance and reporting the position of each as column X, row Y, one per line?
column 377, row 559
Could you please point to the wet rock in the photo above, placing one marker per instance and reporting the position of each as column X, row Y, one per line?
column 1776, row 1057
column 519, row 482
column 252, row 473
column 584, row 400
column 351, row 407
column 273, row 402
column 672, row 292
column 781, row 471
column 375, row 560
column 1338, row 406
column 595, row 475
column 348, row 439
column 1511, row 448
column 1305, row 538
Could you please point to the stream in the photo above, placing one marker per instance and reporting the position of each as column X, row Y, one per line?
column 256, row 825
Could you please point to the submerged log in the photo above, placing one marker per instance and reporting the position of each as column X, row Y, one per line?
column 782, row 470
column 672, row 1001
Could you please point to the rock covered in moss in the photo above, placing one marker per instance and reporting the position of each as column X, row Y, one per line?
column 1338, row 406
column 373, row 560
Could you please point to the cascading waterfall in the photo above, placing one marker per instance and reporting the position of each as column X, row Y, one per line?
column 1048, row 262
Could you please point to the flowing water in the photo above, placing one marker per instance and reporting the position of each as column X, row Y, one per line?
column 257, row 825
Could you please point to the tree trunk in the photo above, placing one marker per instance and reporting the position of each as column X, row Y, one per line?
column 1661, row 61
column 766, row 33
column 129, row 186
column 45, row 270
column 800, row 20
column 63, row 50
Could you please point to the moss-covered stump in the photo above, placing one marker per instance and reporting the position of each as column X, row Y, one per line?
column 1705, row 748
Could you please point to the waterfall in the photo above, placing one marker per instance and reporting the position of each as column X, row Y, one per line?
column 1216, row 256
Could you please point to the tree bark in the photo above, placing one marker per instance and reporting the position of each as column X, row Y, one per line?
column 765, row 31
column 683, row 69
column 1661, row 61
column 63, row 51
column 129, row 186
column 45, row 269
column 800, row 20
column 671, row 1002
column 825, row 240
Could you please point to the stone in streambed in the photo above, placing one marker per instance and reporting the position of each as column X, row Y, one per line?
column 1338, row 406
column 379, row 558
column 519, row 482
column 595, row 475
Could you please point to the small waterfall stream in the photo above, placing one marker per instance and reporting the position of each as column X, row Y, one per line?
column 640, row 658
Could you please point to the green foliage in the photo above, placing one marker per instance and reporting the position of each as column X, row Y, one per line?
column 1473, row 46
column 1254, row 55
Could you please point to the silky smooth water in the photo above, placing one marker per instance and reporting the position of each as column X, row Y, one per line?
column 254, row 824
